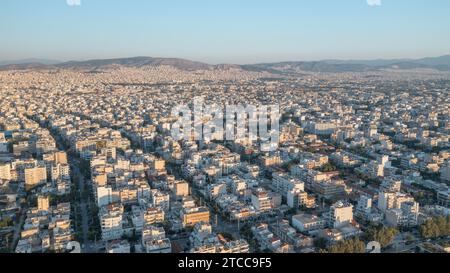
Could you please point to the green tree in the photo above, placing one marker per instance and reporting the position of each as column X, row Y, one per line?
column 384, row 235
column 348, row 246
column 329, row 167
column 441, row 223
column 409, row 239
column 447, row 230
column 435, row 228
column 321, row 243
column 6, row 222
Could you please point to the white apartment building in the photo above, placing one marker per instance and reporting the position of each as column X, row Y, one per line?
column 261, row 200
column 154, row 240
column 104, row 196
column 238, row 246
column 238, row 185
column 283, row 183
column 200, row 233
column 307, row 222
column 215, row 190
column 297, row 198
column 59, row 171
column 406, row 216
column 341, row 214
column 118, row 247
column 111, row 221
column 392, row 200
column 158, row 246
column 153, row 216
column 391, row 185
column 364, row 206
column 160, row 199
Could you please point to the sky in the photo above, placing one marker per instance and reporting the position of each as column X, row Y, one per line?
column 224, row 31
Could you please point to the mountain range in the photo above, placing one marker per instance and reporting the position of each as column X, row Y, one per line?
column 29, row 61
column 441, row 63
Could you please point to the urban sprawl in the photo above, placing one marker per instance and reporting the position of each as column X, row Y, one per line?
column 88, row 156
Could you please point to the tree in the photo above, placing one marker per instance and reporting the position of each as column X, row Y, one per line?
column 349, row 246
column 329, row 168
column 4, row 250
column 409, row 239
column 321, row 243
column 246, row 231
column 384, row 235
column 441, row 223
column 6, row 222
column 227, row 236
column 94, row 235
column 435, row 228
column 447, row 230
column 429, row 230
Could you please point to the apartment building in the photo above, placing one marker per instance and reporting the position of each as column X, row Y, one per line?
column 283, row 183
column 340, row 214
column 5, row 171
column 261, row 200
column 308, row 223
column 192, row 216
column 111, row 221
column 35, row 176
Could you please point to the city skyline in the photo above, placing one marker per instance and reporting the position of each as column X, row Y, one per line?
column 224, row 32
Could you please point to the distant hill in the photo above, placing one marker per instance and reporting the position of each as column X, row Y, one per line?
column 294, row 67
column 438, row 63
column 29, row 61
column 25, row 66
column 136, row 62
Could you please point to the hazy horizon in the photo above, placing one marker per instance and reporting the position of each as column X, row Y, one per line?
column 50, row 61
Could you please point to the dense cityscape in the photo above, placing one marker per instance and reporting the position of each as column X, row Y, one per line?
column 87, row 156
column 224, row 135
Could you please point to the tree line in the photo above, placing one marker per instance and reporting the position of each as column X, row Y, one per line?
column 435, row 228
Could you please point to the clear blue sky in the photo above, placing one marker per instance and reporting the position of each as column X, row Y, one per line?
column 217, row 31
